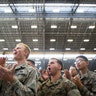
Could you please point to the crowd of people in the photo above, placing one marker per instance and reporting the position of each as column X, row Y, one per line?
column 25, row 79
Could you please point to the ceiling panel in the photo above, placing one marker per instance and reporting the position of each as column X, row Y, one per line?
column 43, row 18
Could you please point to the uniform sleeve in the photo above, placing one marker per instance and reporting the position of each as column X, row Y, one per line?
column 85, row 92
column 91, row 90
column 74, row 92
column 72, row 89
column 27, row 89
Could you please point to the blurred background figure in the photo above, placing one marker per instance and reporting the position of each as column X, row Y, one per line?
column 72, row 70
column 44, row 76
column 69, row 74
column 32, row 63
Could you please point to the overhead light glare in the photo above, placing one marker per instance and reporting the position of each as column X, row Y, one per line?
column 82, row 48
column 52, row 40
column 18, row 40
column 36, row 49
column 94, row 49
column 80, row 11
column 70, row 40
column 73, row 26
column 35, row 40
column 5, row 48
column 14, row 26
column 7, row 10
column 88, row 5
column 86, row 40
column 52, row 49
column 67, row 48
column 91, row 27
column 34, row 26
column 2, row 40
column 3, row 5
column 53, row 26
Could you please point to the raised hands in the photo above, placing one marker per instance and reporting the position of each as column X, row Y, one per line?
column 78, row 82
column 2, row 61
column 7, row 74
column 44, row 74
column 67, row 74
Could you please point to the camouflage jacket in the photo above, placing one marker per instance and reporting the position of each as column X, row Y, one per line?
column 61, row 87
column 24, row 85
column 89, row 82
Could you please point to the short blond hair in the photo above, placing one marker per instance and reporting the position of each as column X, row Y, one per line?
column 27, row 48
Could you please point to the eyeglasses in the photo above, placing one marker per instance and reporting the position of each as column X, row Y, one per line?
column 79, row 61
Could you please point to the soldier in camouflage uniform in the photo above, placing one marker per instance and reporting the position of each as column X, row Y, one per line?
column 86, row 80
column 56, row 85
column 20, row 80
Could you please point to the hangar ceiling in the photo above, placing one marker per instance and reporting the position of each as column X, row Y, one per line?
column 48, row 25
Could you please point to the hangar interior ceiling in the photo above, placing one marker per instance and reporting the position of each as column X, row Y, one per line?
column 62, row 26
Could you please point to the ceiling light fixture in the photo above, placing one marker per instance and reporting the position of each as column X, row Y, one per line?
column 36, row 49
column 94, row 49
column 34, row 26
column 82, row 48
column 14, row 26
column 53, row 26
column 18, row 40
column 73, row 26
column 91, row 27
column 2, row 40
column 52, row 40
column 52, row 49
column 67, row 48
column 35, row 40
column 86, row 40
column 70, row 40
column 7, row 10
column 5, row 48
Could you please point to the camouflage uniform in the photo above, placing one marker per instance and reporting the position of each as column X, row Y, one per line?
column 24, row 85
column 40, row 80
column 89, row 82
column 61, row 87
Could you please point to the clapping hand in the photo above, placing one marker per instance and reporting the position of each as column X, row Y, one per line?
column 6, row 74
column 2, row 61
column 78, row 82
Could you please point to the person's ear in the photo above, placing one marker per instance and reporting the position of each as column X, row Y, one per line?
column 26, row 54
column 59, row 67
